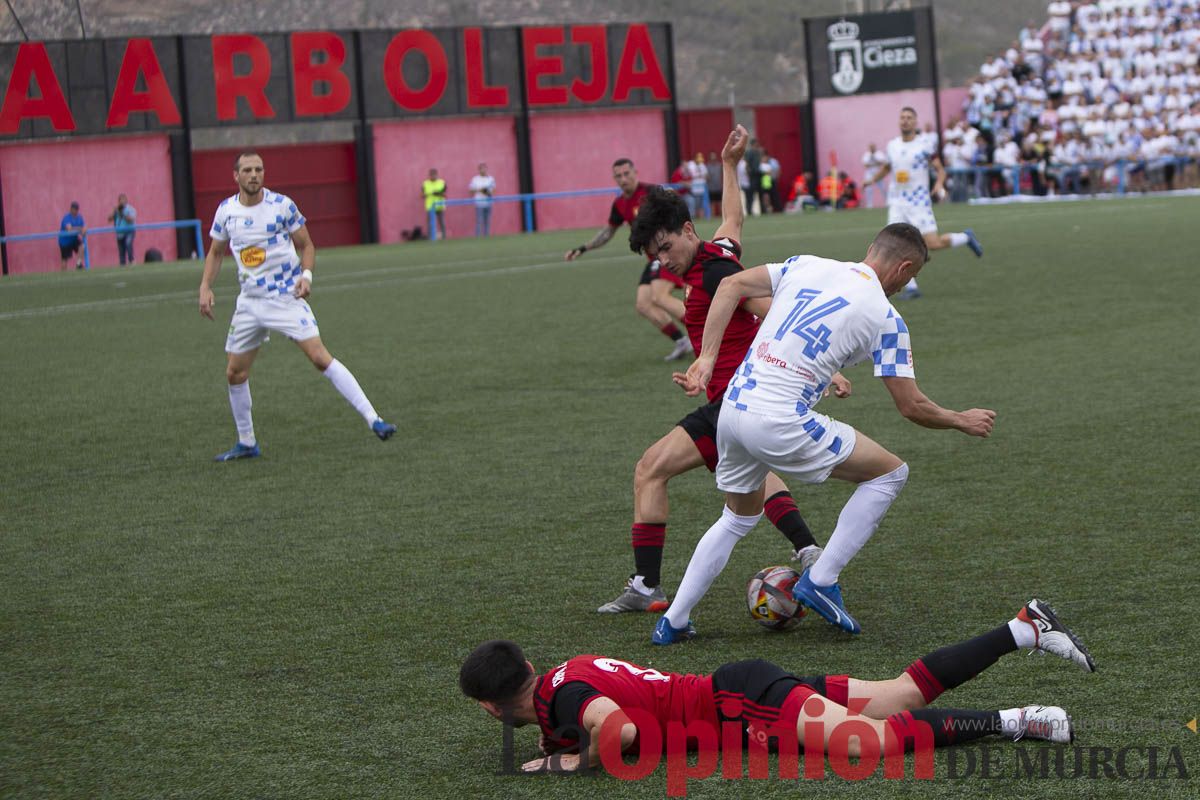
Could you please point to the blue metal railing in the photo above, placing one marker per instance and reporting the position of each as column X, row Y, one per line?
column 527, row 201
column 194, row 224
column 979, row 181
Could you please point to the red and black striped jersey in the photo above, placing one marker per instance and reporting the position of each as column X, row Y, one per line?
column 667, row 696
column 714, row 262
column 624, row 209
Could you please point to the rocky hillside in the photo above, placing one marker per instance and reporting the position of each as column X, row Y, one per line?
column 751, row 50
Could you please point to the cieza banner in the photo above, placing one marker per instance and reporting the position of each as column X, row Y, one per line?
column 870, row 53
column 145, row 84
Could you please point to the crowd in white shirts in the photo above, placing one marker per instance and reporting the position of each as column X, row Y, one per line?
column 1105, row 94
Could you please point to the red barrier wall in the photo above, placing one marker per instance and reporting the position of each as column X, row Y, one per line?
column 777, row 128
column 40, row 181
column 319, row 177
column 576, row 151
column 849, row 124
column 703, row 130
column 405, row 152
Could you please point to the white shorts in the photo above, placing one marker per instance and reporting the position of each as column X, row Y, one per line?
column 919, row 215
column 805, row 448
column 255, row 317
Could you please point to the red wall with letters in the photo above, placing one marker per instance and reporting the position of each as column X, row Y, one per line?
column 405, row 152
column 576, row 151
column 41, row 179
column 319, row 177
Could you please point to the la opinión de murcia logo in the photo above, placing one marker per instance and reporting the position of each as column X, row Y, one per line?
column 849, row 57
column 700, row 749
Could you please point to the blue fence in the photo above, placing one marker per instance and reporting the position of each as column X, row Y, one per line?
column 1089, row 177
column 527, row 201
column 194, row 224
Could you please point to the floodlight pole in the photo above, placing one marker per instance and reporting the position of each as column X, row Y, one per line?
column 937, row 83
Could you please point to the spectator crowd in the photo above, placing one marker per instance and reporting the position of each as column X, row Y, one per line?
column 1103, row 95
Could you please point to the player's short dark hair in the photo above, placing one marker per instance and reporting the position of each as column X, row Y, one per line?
column 911, row 110
column 237, row 162
column 902, row 242
column 495, row 672
column 660, row 210
column 620, row 162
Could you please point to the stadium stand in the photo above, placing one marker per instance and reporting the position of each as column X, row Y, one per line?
column 1104, row 97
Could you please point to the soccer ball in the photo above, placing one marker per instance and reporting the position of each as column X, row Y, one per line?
column 769, row 598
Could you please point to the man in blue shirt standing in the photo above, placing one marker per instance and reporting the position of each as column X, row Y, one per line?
column 122, row 218
column 70, row 236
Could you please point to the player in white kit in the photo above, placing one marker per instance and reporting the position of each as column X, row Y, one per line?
column 908, row 158
column 825, row 315
column 263, row 228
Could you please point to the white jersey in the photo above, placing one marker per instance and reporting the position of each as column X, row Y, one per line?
column 825, row 315
column 260, row 237
column 910, row 169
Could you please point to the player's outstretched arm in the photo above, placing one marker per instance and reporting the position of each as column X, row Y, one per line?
column 916, row 407
column 748, row 284
column 599, row 240
column 594, row 717
column 939, row 184
column 308, row 259
column 881, row 173
column 212, row 266
column 731, row 208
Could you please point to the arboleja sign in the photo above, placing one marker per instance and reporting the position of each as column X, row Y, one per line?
column 150, row 84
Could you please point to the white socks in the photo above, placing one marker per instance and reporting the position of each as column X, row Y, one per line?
column 911, row 286
column 711, row 556
column 859, row 518
column 1023, row 634
column 958, row 239
column 239, row 403
column 1010, row 722
column 344, row 382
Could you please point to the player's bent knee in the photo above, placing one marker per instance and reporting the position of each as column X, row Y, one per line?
column 663, row 461
column 652, row 467
column 895, row 479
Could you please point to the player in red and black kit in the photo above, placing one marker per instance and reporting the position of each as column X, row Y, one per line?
column 572, row 701
column 664, row 231
column 654, row 299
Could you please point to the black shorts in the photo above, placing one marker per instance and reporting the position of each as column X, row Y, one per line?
column 65, row 250
column 701, row 425
column 653, row 272
column 759, row 691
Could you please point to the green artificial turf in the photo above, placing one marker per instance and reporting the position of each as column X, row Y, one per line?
column 292, row 626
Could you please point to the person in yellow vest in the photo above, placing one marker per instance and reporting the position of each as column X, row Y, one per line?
column 433, row 190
